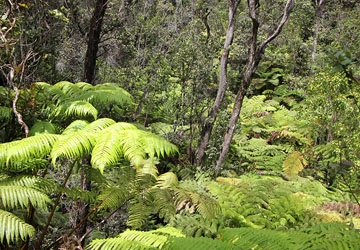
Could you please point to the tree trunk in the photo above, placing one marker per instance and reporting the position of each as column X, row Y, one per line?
column 255, row 53
column 318, row 6
column 209, row 123
column 94, row 40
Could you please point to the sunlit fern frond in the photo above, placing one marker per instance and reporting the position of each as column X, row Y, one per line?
column 131, row 239
column 75, row 126
column 167, row 180
column 117, row 244
column 126, row 141
column 84, row 85
column 13, row 229
column 56, row 94
column 68, row 88
column 73, row 146
column 16, row 153
column 99, row 125
column 198, row 243
column 30, row 181
column 106, row 93
column 75, row 109
column 19, row 196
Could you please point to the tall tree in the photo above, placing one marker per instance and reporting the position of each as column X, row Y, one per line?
column 94, row 40
column 209, row 123
column 256, row 51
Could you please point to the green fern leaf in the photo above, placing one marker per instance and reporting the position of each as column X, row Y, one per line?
column 125, row 141
column 117, row 244
column 42, row 127
column 13, row 228
column 75, row 126
column 167, row 180
column 16, row 153
column 201, row 243
column 113, row 197
column 18, row 196
column 76, row 108
column 294, row 163
column 73, row 146
column 34, row 182
column 106, row 93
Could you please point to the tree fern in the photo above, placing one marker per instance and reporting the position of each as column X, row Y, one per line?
column 19, row 196
column 35, row 182
column 76, row 108
column 16, row 153
column 13, row 229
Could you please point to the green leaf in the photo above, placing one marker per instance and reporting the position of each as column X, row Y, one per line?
column 42, row 127
column 294, row 163
column 12, row 228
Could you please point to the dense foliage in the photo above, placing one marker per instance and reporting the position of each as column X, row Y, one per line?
column 114, row 133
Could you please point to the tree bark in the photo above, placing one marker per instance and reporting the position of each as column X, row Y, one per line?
column 94, row 40
column 209, row 123
column 255, row 53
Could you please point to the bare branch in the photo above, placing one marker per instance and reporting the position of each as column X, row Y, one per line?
column 287, row 11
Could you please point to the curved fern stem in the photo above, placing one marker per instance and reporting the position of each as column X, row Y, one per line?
column 44, row 231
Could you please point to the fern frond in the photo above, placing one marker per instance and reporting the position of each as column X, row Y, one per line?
column 76, row 108
column 18, row 196
column 35, row 182
column 18, row 152
column 117, row 244
column 146, row 238
column 84, row 85
column 73, row 146
column 294, row 163
column 125, row 141
column 197, row 226
column 131, row 239
column 12, row 228
column 107, row 93
column 167, row 180
column 190, row 199
column 199, row 243
column 42, row 127
column 98, row 125
column 113, row 197
column 75, row 126
column 76, row 194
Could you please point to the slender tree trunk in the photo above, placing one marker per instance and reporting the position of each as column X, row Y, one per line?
column 94, row 40
column 209, row 123
column 255, row 53
column 318, row 7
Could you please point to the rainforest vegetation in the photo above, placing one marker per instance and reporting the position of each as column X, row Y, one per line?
column 179, row 124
